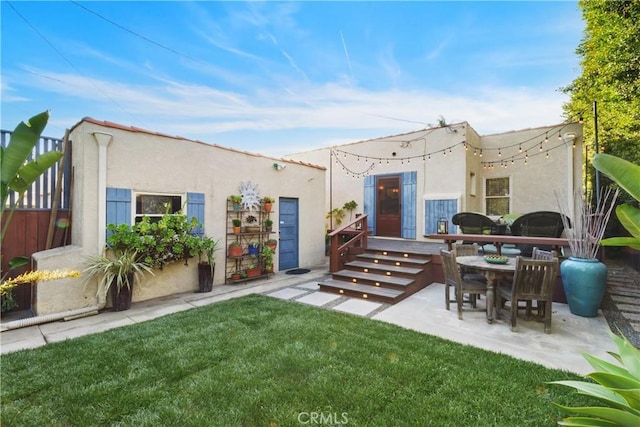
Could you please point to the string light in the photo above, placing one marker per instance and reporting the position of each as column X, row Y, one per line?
column 502, row 151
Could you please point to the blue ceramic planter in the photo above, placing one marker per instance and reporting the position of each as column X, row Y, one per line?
column 584, row 282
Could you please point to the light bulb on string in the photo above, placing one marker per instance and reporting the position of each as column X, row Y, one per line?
column 520, row 148
column 546, row 137
column 474, row 152
column 499, row 153
column 541, row 146
column 481, row 152
column 559, row 136
column 547, row 154
column 450, row 150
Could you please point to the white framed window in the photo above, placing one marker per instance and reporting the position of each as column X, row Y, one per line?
column 155, row 205
column 497, row 193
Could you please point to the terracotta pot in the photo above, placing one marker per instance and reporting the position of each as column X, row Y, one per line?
column 235, row 251
column 253, row 272
column 236, row 230
column 268, row 207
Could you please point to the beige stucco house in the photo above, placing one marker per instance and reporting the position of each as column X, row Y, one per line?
column 406, row 183
column 115, row 166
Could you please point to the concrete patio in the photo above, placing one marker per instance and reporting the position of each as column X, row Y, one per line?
column 423, row 312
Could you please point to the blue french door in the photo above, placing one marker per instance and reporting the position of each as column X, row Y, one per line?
column 288, row 219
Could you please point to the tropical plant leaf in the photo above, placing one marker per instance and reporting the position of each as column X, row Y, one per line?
column 618, row 417
column 19, row 261
column 28, row 173
column 629, row 355
column 631, row 242
column 597, row 391
column 622, row 172
column 22, row 141
column 585, row 422
column 603, row 365
column 629, row 217
column 625, row 382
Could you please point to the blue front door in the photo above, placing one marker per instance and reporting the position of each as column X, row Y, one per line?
column 288, row 219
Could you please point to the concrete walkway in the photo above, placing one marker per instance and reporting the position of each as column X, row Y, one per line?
column 424, row 312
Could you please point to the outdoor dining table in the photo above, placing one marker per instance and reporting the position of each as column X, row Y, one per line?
column 493, row 272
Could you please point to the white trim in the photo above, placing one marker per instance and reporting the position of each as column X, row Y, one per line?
column 442, row 196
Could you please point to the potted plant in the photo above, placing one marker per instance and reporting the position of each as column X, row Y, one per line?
column 272, row 243
column 252, row 269
column 584, row 277
column 236, row 225
column 254, row 248
column 117, row 271
column 251, row 226
column 235, row 201
column 206, row 263
column 157, row 243
column 235, row 249
column 267, row 203
column 267, row 259
column 268, row 225
column 236, row 275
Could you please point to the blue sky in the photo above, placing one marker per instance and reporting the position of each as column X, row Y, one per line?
column 281, row 77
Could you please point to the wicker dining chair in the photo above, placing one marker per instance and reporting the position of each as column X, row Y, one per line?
column 453, row 279
column 533, row 281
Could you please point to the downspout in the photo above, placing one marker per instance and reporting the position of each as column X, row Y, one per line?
column 103, row 139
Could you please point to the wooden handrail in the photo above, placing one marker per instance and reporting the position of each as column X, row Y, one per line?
column 357, row 231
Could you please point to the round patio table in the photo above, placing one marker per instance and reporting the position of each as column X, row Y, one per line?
column 492, row 272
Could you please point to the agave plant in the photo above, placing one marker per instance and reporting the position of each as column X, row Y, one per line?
column 616, row 385
column 115, row 269
column 627, row 176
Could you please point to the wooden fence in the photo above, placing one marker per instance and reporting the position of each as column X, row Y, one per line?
column 31, row 225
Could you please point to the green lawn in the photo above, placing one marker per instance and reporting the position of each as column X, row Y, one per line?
column 260, row 361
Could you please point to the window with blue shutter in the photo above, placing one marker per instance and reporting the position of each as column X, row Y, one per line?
column 436, row 209
column 118, row 206
column 369, row 207
column 408, row 220
column 195, row 208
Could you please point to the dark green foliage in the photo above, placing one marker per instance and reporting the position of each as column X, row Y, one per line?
column 610, row 60
column 260, row 361
column 158, row 243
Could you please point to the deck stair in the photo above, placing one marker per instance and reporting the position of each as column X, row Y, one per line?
column 379, row 275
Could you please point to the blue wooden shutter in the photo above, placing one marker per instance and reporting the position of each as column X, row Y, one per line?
column 195, row 208
column 408, row 220
column 370, row 202
column 118, row 206
column 436, row 209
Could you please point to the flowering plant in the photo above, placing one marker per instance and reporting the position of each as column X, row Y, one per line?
column 29, row 277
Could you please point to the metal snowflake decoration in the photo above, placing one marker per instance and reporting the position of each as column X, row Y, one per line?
column 250, row 196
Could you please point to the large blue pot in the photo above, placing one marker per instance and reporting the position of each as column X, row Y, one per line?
column 584, row 282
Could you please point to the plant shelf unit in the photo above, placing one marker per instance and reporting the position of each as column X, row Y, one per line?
column 250, row 265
